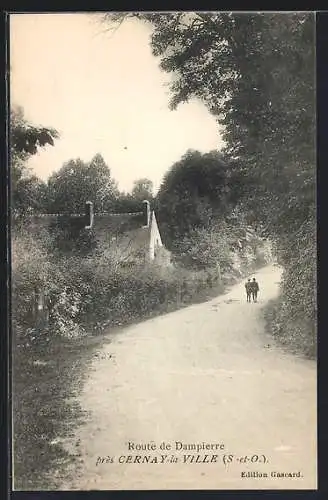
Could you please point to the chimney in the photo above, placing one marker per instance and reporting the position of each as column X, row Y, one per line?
column 89, row 214
column 147, row 213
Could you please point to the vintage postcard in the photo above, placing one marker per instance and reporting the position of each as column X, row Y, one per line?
column 163, row 242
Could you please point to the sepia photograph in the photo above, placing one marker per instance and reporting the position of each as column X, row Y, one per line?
column 163, row 250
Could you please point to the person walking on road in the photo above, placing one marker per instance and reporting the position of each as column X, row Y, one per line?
column 248, row 287
column 254, row 289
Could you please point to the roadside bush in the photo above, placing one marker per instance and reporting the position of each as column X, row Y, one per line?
column 36, row 272
column 234, row 249
column 205, row 248
column 294, row 316
column 31, row 272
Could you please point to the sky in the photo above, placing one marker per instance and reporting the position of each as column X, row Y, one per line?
column 104, row 92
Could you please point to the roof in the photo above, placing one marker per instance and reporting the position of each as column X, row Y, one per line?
column 109, row 226
column 103, row 224
column 122, row 235
column 132, row 245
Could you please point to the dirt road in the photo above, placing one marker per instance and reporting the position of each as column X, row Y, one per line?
column 205, row 374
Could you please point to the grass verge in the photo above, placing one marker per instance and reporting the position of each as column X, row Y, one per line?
column 295, row 335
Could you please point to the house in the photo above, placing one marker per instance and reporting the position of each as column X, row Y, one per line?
column 128, row 238
column 131, row 238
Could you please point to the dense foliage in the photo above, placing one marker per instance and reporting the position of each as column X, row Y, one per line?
column 197, row 192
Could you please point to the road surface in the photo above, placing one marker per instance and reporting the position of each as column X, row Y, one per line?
column 205, row 375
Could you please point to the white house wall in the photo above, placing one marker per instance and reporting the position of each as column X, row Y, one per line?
column 155, row 237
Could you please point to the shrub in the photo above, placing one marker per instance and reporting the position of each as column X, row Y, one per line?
column 31, row 272
column 35, row 272
column 295, row 314
column 205, row 248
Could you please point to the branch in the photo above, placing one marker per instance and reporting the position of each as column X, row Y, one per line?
column 117, row 19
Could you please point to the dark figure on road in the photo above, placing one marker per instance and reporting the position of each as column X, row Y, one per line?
column 248, row 286
column 254, row 289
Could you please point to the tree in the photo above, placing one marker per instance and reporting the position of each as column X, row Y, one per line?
column 194, row 192
column 255, row 72
column 77, row 182
column 29, row 195
column 142, row 189
column 27, row 138
column 28, row 192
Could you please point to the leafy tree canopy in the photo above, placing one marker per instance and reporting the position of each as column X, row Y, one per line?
column 77, row 182
column 27, row 138
column 142, row 189
column 195, row 191
column 28, row 192
column 255, row 72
